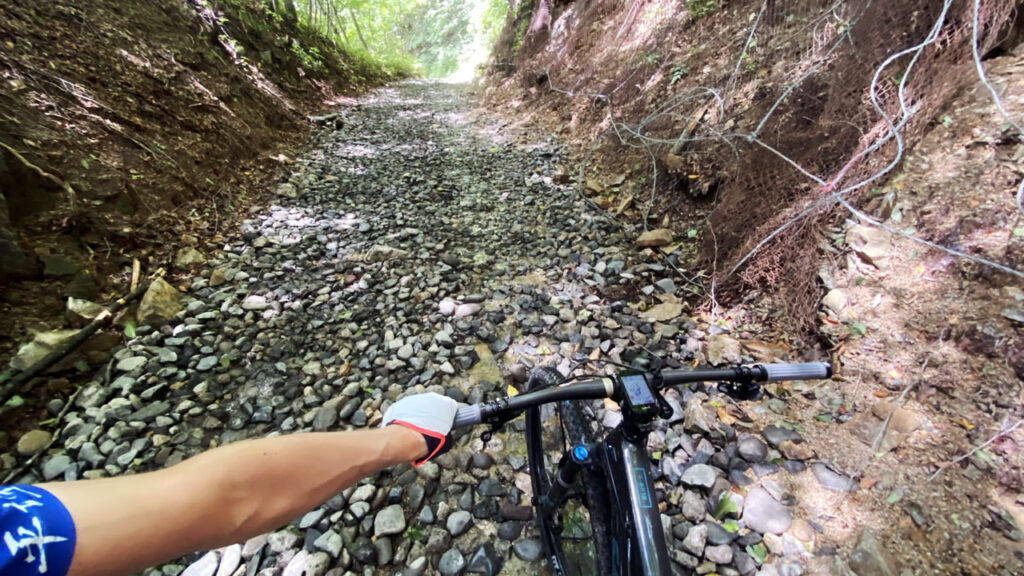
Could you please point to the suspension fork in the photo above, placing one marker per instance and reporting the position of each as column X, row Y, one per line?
column 569, row 467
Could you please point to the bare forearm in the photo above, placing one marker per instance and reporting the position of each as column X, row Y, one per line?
column 220, row 497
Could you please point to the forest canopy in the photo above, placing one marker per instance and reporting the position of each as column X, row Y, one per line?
column 434, row 38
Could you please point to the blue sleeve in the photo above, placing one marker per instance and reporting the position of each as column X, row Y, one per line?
column 37, row 531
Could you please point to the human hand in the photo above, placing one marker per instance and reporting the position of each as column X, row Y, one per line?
column 430, row 414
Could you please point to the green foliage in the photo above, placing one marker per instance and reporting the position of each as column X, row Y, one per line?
column 647, row 59
column 310, row 58
column 726, row 506
column 758, row 552
column 677, row 73
column 701, row 8
column 415, row 534
column 15, row 401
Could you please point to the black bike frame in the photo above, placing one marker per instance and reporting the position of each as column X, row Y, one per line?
column 637, row 536
column 638, row 544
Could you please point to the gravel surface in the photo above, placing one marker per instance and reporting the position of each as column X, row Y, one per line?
column 419, row 249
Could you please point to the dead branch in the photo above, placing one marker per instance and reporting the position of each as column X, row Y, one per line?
column 1000, row 434
column 69, row 345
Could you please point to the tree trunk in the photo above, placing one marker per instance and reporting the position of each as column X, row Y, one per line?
column 291, row 16
column 359, row 31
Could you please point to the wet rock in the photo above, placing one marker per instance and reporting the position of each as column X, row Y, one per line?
column 700, row 475
column 869, row 558
column 764, row 514
column 832, row 480
column 719, row 554
column 752, row 450
column 485, row 561
column 452, row 562
column 695, row 540
column 55, row 466
column 230, row 560
column 776, row 435
column 390, row 520
column 510, row 530
column 458, row 522
column 529, row 550
column 205, row 566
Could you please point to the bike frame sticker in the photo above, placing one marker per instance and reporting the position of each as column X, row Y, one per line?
column 643, row 491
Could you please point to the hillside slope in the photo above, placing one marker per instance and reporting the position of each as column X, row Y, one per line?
column 124, row 124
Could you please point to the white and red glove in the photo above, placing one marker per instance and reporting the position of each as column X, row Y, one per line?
column 430, row 414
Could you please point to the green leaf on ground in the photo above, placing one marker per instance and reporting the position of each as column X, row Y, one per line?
column 129, row 330
column 731, row 526
column 725, row 507
column 824, row 417
column 856, row 329
column 1019, row 232
column 691, row 233
column 82, row 366
column 15, row 401
column 758, row 552
column 7, row 375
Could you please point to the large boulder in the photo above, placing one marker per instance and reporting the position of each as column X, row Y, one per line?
column 160, row 303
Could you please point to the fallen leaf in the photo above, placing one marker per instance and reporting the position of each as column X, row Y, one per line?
column 724, row 416
column 963, row 423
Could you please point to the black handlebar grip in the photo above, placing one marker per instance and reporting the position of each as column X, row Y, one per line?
column 467, row 416
column 808, row 371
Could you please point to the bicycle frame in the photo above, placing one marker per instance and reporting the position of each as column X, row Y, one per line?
column 638, row 539
column 637, row 536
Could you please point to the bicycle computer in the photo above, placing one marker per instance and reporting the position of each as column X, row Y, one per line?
column 638, row 396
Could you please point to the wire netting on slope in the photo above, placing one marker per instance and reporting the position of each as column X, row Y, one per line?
column 877, row 73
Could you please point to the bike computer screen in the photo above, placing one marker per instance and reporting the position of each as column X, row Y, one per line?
column 638, row 392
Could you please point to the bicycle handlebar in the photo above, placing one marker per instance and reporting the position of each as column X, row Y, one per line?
column 604, row 387
column 467, row 416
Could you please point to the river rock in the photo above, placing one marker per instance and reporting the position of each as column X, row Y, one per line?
column 160, row 303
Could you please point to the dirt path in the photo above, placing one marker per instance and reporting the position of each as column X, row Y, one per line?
column 417, row 249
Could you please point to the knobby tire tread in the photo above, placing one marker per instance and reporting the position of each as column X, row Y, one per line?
column 594, row 485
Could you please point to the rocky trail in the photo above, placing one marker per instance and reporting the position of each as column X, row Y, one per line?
column 417, row 249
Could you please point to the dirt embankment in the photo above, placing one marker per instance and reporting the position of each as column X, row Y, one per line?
column 128, row 129
column 753, row 115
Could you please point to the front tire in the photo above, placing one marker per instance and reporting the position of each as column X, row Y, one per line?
column 571, row 549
